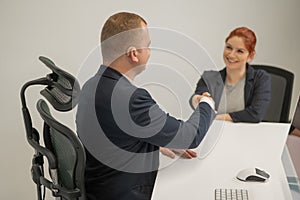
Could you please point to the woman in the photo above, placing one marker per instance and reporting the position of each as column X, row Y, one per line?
column 241, row 93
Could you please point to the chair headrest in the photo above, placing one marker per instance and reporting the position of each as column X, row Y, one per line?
column 63, row 89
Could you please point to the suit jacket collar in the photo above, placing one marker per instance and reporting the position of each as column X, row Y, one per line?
column 249, row 73
column 249, row 83
column 109, row 72
column 113, row 74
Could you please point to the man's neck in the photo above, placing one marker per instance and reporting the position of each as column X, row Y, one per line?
column 123, row 68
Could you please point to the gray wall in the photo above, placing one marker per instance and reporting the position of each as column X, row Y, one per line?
column 67, row 31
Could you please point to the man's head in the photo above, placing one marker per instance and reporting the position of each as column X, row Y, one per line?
column 125, row 34
column 119, row 23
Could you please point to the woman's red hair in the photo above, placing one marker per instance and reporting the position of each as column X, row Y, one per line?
column 247, row 35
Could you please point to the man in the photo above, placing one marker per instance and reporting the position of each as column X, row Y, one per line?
column 120, row 125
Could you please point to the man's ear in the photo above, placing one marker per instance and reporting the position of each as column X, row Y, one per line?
column 132, row 54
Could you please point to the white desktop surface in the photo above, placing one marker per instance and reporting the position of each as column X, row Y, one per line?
column 240, row 146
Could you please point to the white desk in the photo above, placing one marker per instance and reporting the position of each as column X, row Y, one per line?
column 240, row 146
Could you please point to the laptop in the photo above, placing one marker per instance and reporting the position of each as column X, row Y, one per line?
column 290, row 156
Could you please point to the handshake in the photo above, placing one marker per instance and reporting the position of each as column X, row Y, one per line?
column 205, row 97
column 186, row 153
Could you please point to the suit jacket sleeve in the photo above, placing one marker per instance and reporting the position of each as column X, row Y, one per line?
column 166, row 130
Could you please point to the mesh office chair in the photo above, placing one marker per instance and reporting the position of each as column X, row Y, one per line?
column 281, row 93
column 62, row 148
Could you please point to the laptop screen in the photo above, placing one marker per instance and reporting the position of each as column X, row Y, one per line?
column 290, row 156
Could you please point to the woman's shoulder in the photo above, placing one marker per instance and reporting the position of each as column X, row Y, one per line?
column 212, row 73
column 259, row 73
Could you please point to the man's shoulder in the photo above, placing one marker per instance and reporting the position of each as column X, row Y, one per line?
column 141, row 94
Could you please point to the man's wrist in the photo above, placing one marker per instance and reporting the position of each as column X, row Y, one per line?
column 209, row 101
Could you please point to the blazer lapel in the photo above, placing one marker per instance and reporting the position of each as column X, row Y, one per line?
column 249, row 83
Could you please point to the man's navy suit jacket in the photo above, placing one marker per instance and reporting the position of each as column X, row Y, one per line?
column 122, row 127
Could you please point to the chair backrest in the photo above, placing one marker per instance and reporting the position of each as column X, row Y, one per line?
column 281, row 93
column 61, row 146
column 68, row 151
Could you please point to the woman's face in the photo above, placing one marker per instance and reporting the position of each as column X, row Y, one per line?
column 235, row 53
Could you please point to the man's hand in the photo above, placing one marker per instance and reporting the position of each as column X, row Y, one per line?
column 197, row 97
column 188, row 154
column 225, row 117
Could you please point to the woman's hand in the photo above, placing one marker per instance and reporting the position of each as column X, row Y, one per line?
column 296, row 132
column 197, row 97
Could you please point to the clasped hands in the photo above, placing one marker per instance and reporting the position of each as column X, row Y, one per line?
column 196, row 99
column 184, row 153
column 189, row 153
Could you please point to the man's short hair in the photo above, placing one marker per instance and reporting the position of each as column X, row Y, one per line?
column 120, row 22
column 120, row 32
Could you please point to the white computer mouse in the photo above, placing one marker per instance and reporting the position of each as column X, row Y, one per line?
column 253, row 174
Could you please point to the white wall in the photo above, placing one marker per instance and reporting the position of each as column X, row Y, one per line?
column 67, row 31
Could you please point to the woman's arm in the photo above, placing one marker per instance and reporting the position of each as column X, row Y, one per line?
column 200, row 90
